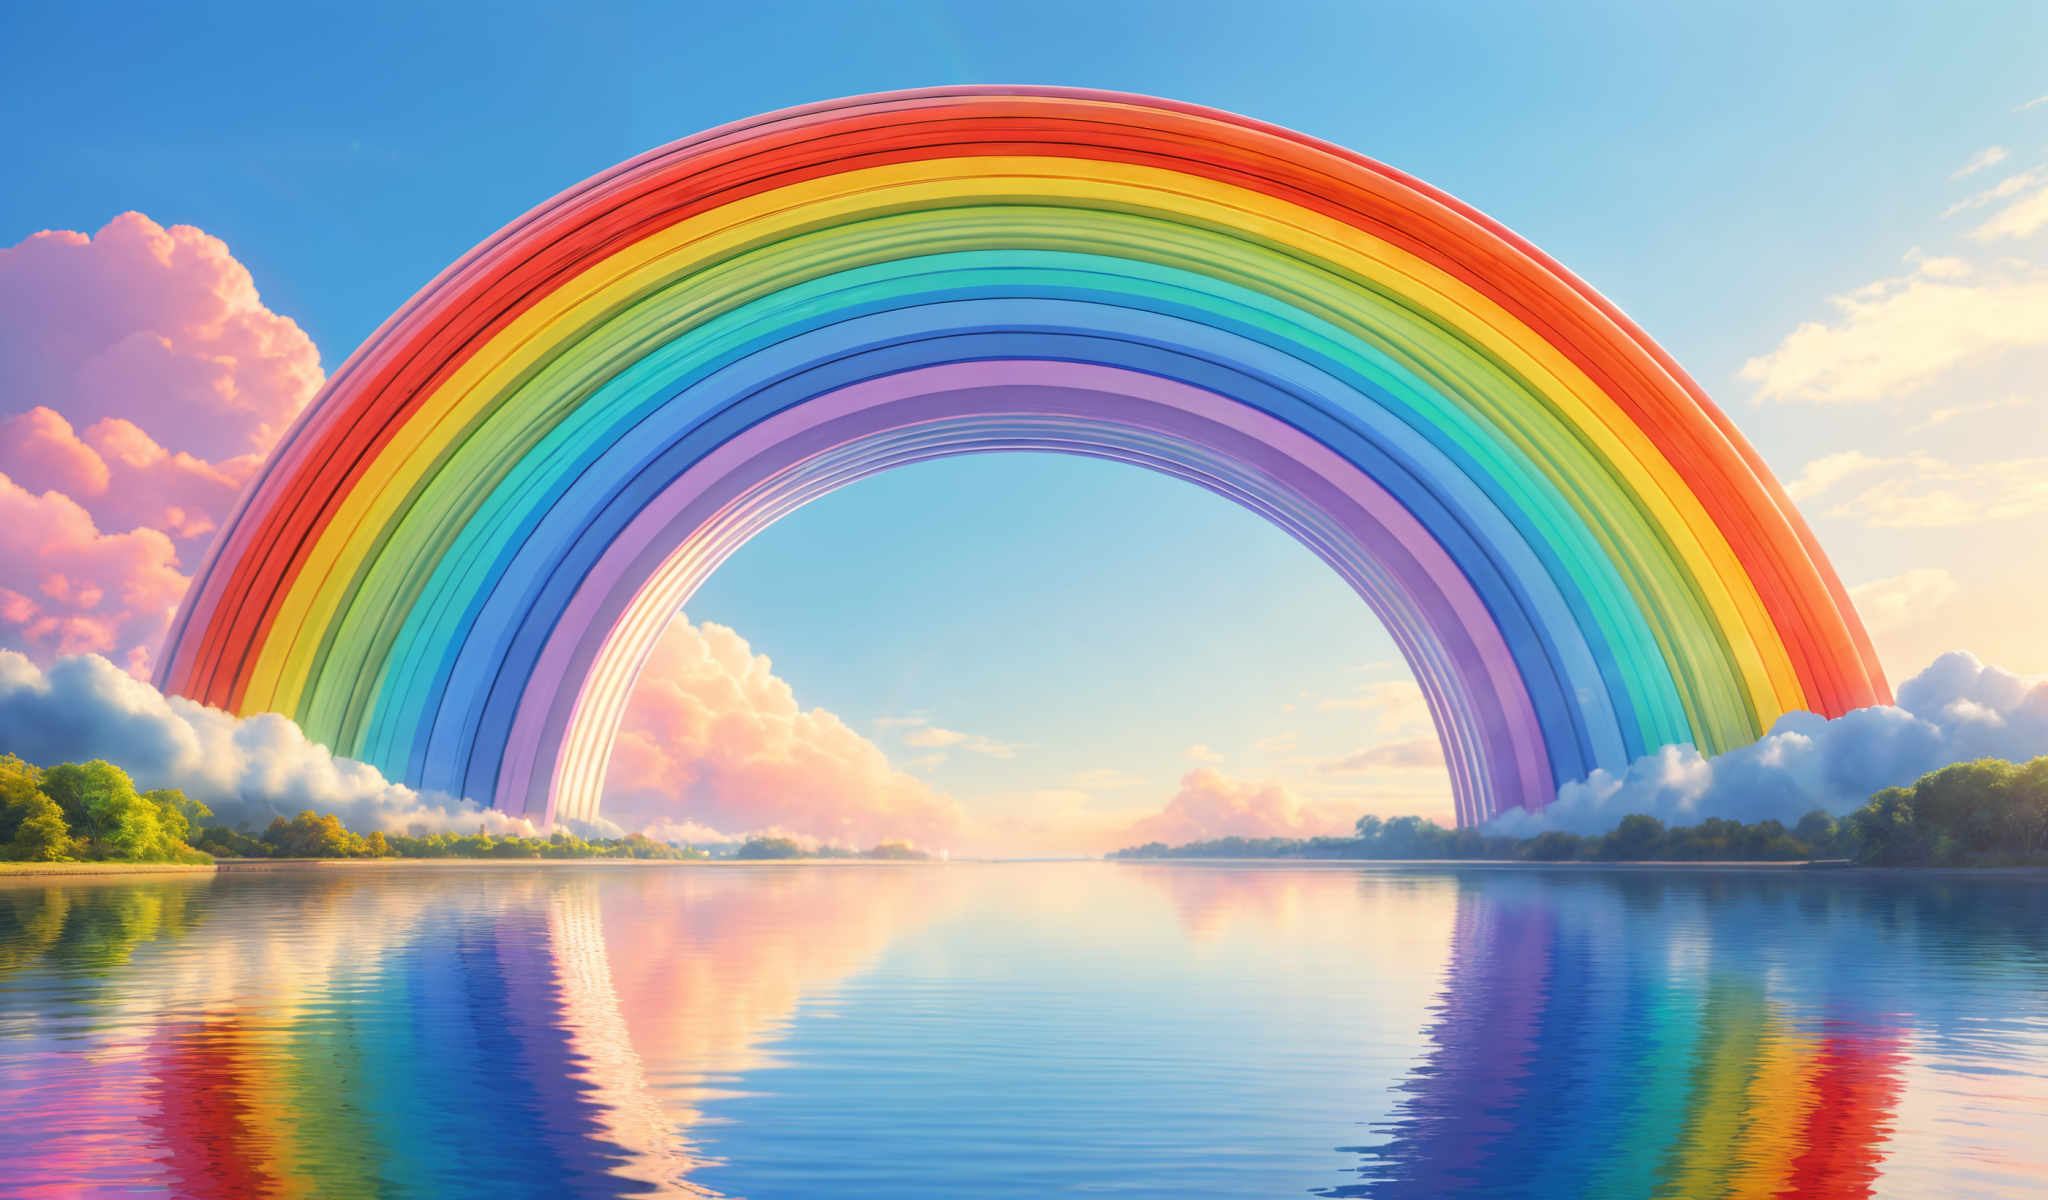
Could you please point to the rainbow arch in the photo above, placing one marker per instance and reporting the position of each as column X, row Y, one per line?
column 456, row 561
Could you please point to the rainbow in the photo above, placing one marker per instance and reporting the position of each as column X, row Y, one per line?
column 457, row 560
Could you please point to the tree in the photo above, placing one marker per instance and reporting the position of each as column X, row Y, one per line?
column 1555, row 846
column 41, row 836
column 1888, row 830
column 897, row 851
column 103, row 809
column 176, row 813
column 223, row 842
column 32, row 827
column 313, row 835
column 1639, row 838
column 1817, row 832
column 769, row 847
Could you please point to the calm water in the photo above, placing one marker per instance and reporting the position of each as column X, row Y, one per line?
column 1023, row 1030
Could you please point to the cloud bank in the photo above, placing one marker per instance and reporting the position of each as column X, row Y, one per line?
column 247, row 769
column 142, row 381
column 713, row 737
column 1956, row 710
column 1210, row 804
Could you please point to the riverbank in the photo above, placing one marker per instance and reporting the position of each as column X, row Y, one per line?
column 1819, row 868
column 36, row 870
column 46, row 870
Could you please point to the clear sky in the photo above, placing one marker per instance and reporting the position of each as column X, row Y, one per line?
column 1783, row 195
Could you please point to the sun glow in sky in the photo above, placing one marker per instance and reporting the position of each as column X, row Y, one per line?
column 1836, row 218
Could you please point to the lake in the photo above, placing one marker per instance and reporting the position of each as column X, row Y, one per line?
column 1012, row 1030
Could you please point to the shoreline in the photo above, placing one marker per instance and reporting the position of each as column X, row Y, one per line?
column 1804, row 869
column 225, row 866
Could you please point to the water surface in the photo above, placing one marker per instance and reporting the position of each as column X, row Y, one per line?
column 1013, row 1030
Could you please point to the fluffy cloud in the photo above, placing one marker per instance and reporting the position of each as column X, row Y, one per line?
column 142, row 380
column 142, row 323
column 1893, row 336
column 714, row 737
column 1212, row 805
column 67, row 587
column 1956, row 710
column 247, row 769
column 1203, row 754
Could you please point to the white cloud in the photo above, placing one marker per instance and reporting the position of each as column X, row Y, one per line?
column 1918, row 491
column 1990, row 156
column 1822, row 474
column 1203, row 754
column 247, row 769
column 2019, row 219
column 1902, row 601
column 1942, row 416
column 1279, row 743
column 1956, row 710
column 2004, row 189
column 2035, row 102
column 1892, row 337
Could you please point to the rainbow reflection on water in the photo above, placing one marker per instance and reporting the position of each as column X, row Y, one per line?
column 1013, row 1030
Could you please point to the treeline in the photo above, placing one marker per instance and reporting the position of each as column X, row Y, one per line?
column 782, row 847
column 1638, row 838
column 1984, row 813
column 91, row 812
column 322, row 835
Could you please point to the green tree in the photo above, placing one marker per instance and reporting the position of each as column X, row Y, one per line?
column 1817, row 831
column 1889, row 832
column 769, row 847
column 32, row 826
column 1554, row 847
column 313, row 835
column 897, row 851
column 1639, row 838
column 223, row 842
column 103, row 809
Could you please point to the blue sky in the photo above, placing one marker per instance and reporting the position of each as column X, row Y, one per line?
column 1719, row 171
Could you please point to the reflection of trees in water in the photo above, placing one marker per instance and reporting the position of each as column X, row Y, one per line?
column 92, row 927
column 1614, row 1035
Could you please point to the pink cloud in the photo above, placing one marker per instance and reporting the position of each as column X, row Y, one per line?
column 1212, row 805
column 146, row 381
column 66, row 587
column 712, row 736
column 161, row 327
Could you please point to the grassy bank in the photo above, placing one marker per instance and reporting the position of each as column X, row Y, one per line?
column 25, row 870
